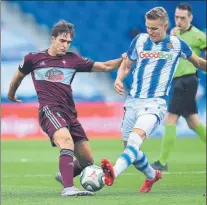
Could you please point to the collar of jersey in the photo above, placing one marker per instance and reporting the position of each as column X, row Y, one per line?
column 166, row 39
column 187, row 30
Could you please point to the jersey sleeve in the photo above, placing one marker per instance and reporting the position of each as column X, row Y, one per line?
column 26, row 66
column 186, row 51
column 132, row 51
column 83, row 64
column 202, row 41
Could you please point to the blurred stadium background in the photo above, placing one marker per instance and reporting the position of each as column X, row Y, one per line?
column 104, row 30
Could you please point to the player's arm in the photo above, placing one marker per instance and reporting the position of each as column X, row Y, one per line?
column 126, row 66
column 187, row 53
column 24, row 68
column 15, row 83
column 106, row 66
column 123, row 71
column 198, row 62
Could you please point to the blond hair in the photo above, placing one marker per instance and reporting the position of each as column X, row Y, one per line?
column 157, row 13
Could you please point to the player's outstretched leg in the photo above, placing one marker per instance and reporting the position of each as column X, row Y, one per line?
column 108, row 171
column 147, row 186
column 143, row 166
column 126, row 158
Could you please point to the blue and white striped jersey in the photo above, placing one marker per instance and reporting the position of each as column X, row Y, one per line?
column 155, row 64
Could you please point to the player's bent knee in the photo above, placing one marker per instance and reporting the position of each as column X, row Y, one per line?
column 191, row 125
column 63, row 139
column 64, row 142
column 140, row 132
column 171, row 119
column 193, row 121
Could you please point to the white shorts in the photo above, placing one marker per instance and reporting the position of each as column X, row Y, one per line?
column 145, row 114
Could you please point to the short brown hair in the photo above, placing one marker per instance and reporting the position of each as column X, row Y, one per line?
column 63, row 27
column 186, row 7
column 157, row 13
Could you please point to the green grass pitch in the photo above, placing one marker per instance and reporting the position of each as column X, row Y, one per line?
column 28, row 170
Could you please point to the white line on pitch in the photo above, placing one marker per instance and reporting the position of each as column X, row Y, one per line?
column 175, row 173
column 50, row 175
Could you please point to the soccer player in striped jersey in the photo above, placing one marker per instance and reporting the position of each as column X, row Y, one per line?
column 183, row 100
column 53, row 71
column 156, row 55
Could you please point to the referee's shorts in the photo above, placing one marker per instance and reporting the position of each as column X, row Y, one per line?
column 183, row 99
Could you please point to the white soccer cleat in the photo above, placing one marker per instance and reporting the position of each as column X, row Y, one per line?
column 73, row 191
column 59, row 178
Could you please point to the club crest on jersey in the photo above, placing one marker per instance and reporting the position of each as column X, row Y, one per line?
column 54, row 75
column 170, row 45
column 156, row 55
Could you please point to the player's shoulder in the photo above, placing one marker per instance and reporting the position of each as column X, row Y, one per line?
column 72, row 55
column 174, row 38
column 32, row 55
column 76, row 56
column 197, row 32
column 146, row 35
column 141, row 38
column 176, row 41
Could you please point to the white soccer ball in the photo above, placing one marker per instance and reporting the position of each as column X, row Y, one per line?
column 92, row 178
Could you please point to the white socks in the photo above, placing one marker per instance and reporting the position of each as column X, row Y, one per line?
column 132, row 155
column 143, row 166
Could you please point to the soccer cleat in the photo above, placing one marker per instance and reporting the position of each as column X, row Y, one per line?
column 158, row 166
column 108, row 171
column 59, row 178
column 146, row 187
column 73, row 191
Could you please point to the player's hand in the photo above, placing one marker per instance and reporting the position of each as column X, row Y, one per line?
column 119, row 87
column 14, row 99
column 174, row 30
column 124, row 56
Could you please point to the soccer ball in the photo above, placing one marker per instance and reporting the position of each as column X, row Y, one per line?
column 92, row 178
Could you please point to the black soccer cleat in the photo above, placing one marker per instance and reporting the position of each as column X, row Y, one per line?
column 158, row 166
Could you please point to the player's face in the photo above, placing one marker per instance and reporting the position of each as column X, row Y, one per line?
column 61, row 43
column 156, row 29
column 182, row 19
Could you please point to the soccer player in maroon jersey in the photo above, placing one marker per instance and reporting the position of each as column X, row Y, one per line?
column 52, row 73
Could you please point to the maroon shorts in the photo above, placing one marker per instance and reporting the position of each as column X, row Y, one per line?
column 53, row 118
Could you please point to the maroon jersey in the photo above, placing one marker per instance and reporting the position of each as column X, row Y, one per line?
column 52, row 77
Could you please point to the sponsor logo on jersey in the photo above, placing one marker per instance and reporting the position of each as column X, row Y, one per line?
column 156, row 55
column 54, row 75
